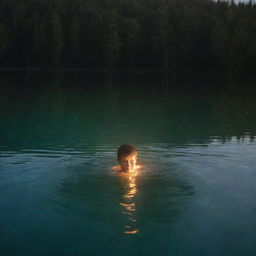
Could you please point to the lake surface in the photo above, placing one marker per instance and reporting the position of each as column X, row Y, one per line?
column 196, row 194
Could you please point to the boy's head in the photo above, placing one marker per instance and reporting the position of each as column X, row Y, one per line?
column 127, row 157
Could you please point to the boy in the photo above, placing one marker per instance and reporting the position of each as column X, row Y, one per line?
column 127, row 158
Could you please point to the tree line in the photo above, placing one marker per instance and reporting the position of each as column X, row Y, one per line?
column 128, row 34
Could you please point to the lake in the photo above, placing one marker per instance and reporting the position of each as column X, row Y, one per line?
column 58, row 139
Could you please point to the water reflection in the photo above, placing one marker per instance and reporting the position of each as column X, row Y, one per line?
column 128, row 203
column 164, row 114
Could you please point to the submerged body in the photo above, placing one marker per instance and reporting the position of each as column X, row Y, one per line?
column 119, row 171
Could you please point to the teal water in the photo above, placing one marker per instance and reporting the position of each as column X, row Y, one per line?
column 58, row 138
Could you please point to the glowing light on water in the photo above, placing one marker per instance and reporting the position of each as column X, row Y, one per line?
column 132, row 232
column 129, row 204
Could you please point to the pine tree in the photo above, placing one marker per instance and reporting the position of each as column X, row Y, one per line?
column 56, row 39
column 111, row 39
column 130, row 38
column 75, row 40
column 3, row 40
column 163, row 34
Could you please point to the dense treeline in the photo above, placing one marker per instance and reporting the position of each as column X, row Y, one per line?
column 128, row 34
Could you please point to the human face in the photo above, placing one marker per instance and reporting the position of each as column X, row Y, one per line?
column 128, row 163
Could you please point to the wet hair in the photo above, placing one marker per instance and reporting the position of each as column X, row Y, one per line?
column 125, row 150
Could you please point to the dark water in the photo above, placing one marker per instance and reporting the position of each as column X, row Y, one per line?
column 59, row 135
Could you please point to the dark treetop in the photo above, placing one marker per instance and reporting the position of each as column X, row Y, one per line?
column 128, row 34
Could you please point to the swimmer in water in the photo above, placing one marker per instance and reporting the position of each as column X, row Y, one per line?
column 127, row 158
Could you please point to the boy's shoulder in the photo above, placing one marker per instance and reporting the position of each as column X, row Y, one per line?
column 116, row 168
column 119, row 169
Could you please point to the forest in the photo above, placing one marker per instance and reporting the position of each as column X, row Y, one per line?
column 128, row 34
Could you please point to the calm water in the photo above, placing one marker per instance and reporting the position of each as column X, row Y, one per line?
column 59, row 135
